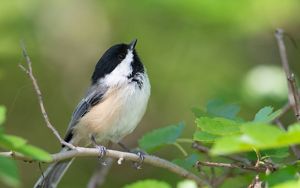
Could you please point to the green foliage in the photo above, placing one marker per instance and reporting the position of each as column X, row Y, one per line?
column 9, row 172
column 257, row 136
column 2, row 114
column 217, row 108
column 8, row 169
column 288, row 184
column 160, row 137
column 202, row 136
column 20, row 145
column 188, row 162
column 265, row 114
column 148, row 184
column 285, row 174
column 218, row 126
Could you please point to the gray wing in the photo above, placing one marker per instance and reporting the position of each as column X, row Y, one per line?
column 93, row 97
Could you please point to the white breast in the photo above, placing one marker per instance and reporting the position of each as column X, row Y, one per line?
column 116, row 115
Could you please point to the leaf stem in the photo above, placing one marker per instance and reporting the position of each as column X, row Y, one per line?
column 180, row 148
column 185, row 140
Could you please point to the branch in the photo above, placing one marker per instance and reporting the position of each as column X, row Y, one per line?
column 29, row 72
column 205, row 150
column 292, row 86
column 228, row 165
column 121, row 156
column 99, row 175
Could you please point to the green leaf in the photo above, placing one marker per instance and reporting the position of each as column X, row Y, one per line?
column 11, row 142
column 198, row 112
column 2, row 114
column 218, row 126
column 202, row 136
column 292, row 136
column 254, row 135
column 187, row 184
column 229, row 144
column 288, row 184
column 278, row 153
column 148, row 184
column 20, row 145
column 281, row 175
column 160, row 137
column 35, row 153
column 265, row 114
column 240, row 181
column 9, row 172
column 219, row 109
column 188, row 162
column 261, row 135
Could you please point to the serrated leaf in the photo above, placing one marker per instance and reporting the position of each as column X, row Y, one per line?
column 266, row 114
column 188, row 162
column 218, row 126
column 2, row 114
column 229, row 144
column 255, row 135
column 219, row 109
column 281, row 175
column 160, row 137
column 148, row 184
column 261, row 135
column 35, row 153
column 9, row 172
column 202, row 136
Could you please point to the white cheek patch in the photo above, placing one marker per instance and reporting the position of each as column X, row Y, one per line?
column 121, row 72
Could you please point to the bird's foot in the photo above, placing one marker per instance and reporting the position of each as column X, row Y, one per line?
column 102, row 150
column 102, row 153
column 138, row 165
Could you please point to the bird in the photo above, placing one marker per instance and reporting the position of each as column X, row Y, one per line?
column 112, row 107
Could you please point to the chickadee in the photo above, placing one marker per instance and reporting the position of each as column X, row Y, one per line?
column 111, row 109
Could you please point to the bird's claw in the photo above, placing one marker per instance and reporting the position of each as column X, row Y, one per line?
column 102, row 153
column 141, row 155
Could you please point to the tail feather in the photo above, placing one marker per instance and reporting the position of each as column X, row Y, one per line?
column 53, row 174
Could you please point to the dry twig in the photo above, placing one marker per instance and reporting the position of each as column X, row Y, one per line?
column 29, row 72
column 93, row 152
column 292, row 86
column 100, row 173
column 205, row 150
column 229, row 165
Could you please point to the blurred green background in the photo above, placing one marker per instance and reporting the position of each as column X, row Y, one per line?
column 194, row 51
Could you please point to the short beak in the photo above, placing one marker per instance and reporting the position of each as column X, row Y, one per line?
column 132, row 44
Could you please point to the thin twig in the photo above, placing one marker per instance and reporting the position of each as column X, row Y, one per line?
column 93, row 152
column 229, row 165
column 284, row 110
column 220, row 180
column 99, row 175
column 29, row 72
column 180, row 148
column 295, row 150
column 292, row 86
column 204, row 149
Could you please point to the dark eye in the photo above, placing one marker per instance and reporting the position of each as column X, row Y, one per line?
column 121, row 56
